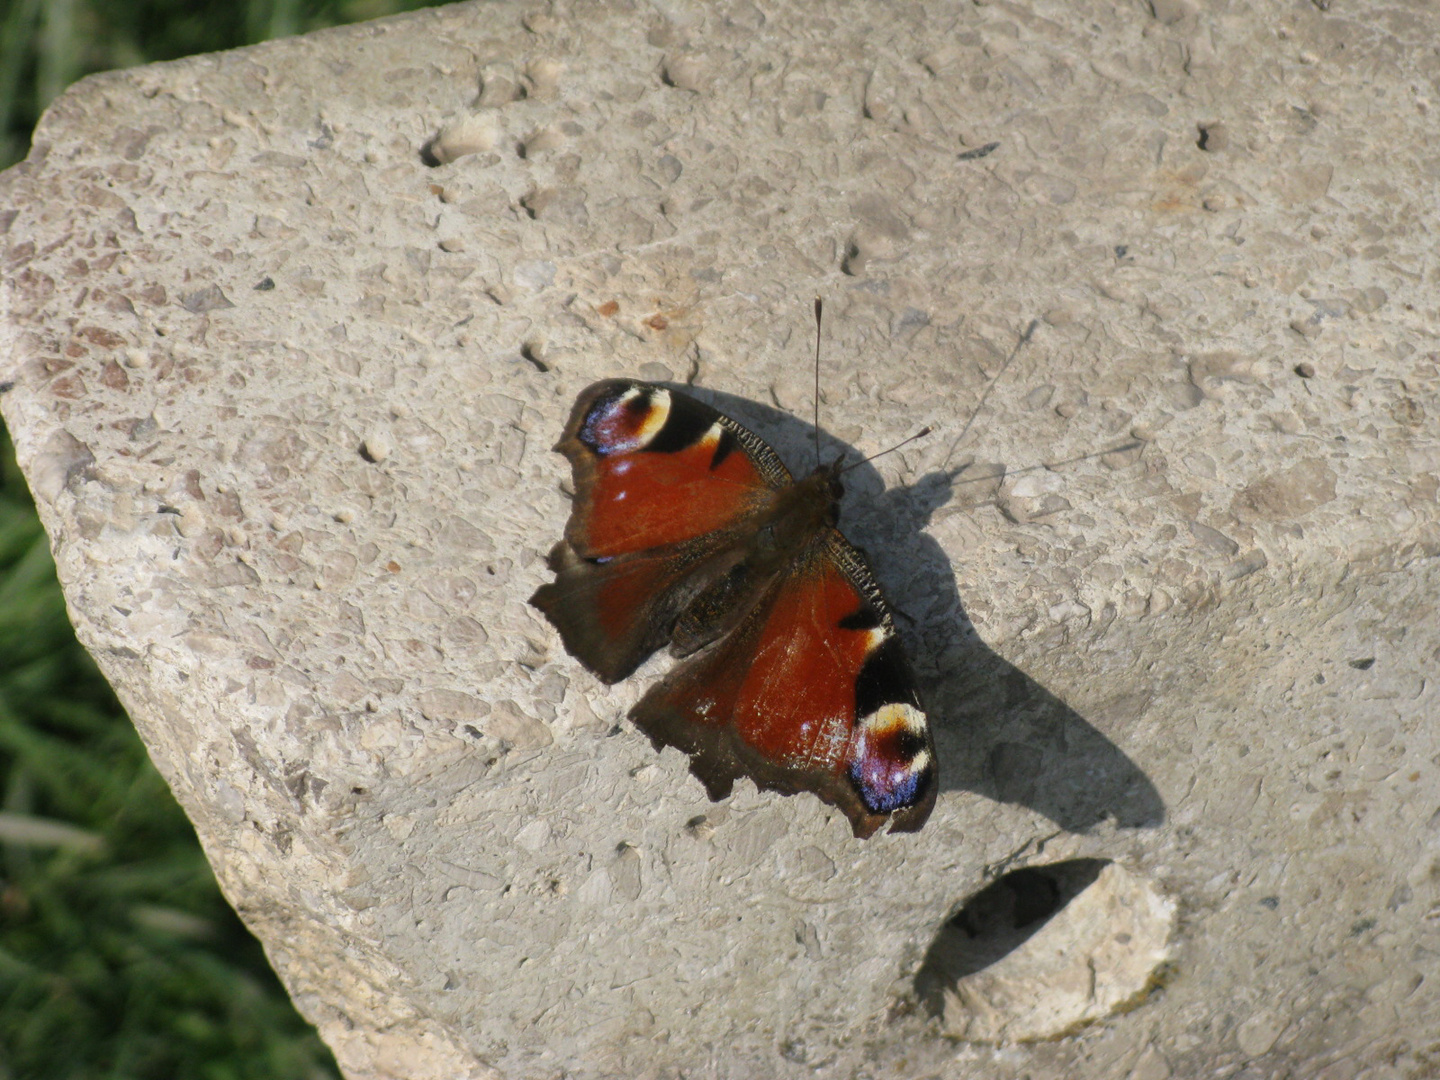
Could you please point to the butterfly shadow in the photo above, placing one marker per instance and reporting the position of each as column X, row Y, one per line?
column 998, row 732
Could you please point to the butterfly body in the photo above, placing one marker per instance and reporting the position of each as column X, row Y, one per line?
column 688, row 531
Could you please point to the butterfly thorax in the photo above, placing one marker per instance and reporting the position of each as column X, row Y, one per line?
column 803, row 510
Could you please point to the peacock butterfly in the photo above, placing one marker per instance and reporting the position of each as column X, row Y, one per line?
column 687, row 529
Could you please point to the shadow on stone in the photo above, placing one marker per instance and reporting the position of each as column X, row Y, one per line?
column 998, row 732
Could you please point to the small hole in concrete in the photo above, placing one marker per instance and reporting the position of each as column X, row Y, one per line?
column 1000, row 918
column 530, row 352
column 979, row 152
column 1046, row 949
column 1212, row 136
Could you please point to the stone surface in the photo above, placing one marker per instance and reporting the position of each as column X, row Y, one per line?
column 288, row 333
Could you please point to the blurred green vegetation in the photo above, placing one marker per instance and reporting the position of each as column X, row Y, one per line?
column 119, row 957
column 45, row 45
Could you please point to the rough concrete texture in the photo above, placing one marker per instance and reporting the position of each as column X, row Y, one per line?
column 292, row 329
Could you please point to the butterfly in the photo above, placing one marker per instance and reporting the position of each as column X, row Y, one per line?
column 688, row 530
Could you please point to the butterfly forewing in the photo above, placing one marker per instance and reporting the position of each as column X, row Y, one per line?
column 663, row 485
column 655, row 467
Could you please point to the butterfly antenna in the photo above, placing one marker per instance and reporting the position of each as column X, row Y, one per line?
column 1025, row 337
column 903, row 442
column 1049, row 466
column 818, row 307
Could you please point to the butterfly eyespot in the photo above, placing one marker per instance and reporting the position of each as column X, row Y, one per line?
column 625, row 421
column 891, row 756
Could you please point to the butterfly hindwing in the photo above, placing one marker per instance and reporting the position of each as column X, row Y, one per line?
column 613, row 613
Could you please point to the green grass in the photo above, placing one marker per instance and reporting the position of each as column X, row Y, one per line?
column 118, row 956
